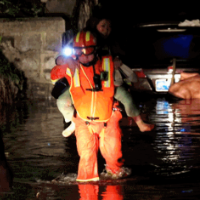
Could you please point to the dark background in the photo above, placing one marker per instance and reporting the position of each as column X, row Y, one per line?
column 127, row 13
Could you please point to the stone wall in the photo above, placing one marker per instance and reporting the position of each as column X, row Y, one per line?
column 75, row 9
column 60, row 6
column 32, row 44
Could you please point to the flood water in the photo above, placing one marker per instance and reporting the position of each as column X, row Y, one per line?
column 165, row 162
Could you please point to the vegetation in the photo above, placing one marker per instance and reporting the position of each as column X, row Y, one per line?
column 21, row 8
column 12, row 81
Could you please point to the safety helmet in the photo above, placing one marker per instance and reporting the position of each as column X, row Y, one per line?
column 84, row 39
column 84, row 43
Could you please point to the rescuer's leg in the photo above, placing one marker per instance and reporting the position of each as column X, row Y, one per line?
column 87, row 146
column 110, row 146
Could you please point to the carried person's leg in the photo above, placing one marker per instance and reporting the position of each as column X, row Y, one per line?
column 122, row 95
column 64, row 104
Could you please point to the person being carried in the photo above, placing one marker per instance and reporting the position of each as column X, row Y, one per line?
column 97, row 124
column 101, row 26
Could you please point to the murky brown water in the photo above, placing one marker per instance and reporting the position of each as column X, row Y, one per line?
column 165, row 163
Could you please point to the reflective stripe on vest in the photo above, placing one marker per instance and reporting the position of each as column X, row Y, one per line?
column 76, row 78
column 68, row 72
column 54, row 81
column 106, row 68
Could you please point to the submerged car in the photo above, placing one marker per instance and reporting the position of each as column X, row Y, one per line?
column 160, row 52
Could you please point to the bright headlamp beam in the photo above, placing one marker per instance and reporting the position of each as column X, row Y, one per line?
column 67, row 51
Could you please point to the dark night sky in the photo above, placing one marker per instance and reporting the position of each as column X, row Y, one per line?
column 129, row 12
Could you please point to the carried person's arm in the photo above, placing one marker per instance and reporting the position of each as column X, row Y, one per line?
column 71, row 62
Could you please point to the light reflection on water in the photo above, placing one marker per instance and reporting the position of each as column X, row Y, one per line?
column 36, row 150
column 177, row 139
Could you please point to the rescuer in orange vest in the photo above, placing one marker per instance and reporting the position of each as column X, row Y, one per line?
column 97, row 123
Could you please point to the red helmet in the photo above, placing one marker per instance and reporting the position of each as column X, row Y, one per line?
column 84, row 39
column 85, row 44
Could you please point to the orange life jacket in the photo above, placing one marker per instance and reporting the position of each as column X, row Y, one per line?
column 93, row 105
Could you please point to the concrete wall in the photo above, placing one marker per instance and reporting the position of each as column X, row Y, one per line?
column 32, row 45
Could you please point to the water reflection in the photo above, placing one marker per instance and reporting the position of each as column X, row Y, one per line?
column 174, row 142
column 91, row 192
column 189, row 111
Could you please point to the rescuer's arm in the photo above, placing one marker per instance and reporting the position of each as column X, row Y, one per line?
column 64, row 101
column 71, row 62
column 59, row 72
column 122, row 95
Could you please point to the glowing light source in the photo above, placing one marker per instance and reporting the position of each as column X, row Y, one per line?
column 67, row 51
